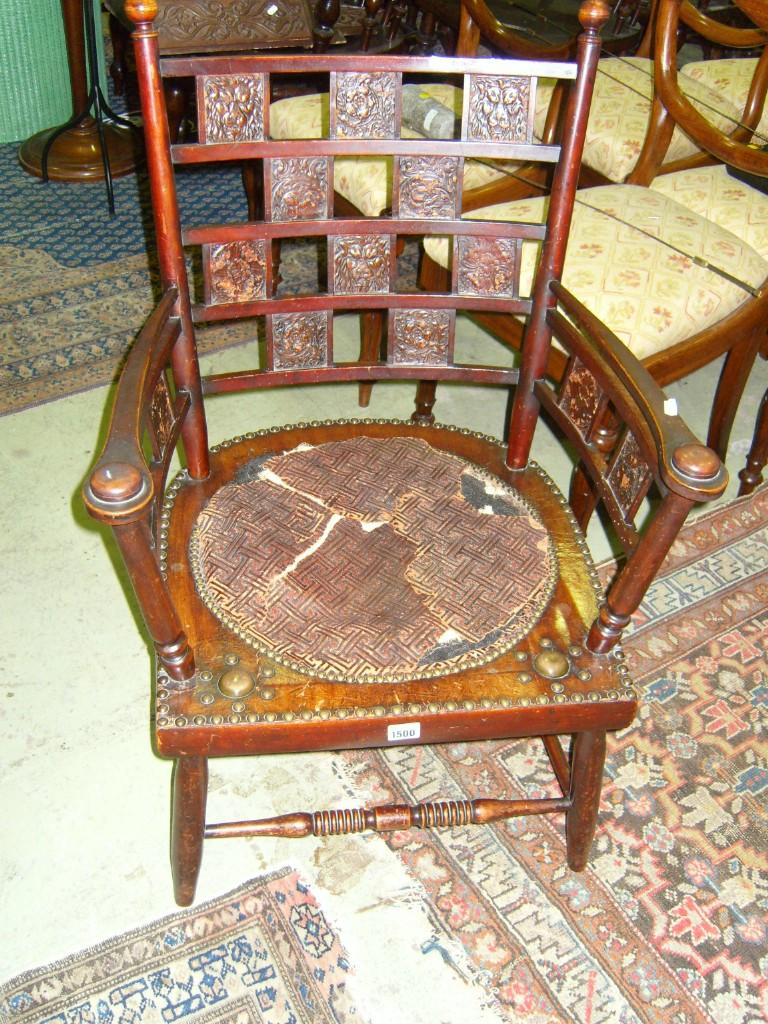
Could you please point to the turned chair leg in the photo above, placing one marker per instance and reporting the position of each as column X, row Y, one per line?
column 426, row 393
column 588, row 759
column 190, row 788
column 752, row 474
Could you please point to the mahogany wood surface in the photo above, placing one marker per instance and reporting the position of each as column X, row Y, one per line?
column 219, row 691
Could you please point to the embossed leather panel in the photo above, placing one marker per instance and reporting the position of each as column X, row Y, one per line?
column 325, row 559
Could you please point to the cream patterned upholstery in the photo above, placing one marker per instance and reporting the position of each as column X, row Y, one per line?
column 650, row 295
column 621, row 106
column 367, row 184
column 713, row 193
column 731, row 78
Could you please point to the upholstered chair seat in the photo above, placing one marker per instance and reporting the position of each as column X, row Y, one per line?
column 713, row 193
column 630, row 260
column 621, row 108
column 367, row 183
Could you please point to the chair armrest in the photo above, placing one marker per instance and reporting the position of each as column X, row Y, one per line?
column 124, row 482
column 613, row 414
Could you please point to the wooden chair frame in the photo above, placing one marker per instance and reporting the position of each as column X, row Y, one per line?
column 213, row 695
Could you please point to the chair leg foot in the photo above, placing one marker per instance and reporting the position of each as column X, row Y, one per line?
column 426, row 393
column 587, row 764
column 190, row 789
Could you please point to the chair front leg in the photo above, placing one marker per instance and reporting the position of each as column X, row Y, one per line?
column 190, row 789
column 587, row 761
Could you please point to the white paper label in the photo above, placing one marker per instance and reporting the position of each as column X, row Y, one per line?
column 670, row 406
column 398, row 733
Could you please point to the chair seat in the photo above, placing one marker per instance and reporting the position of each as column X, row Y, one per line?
column 651, row 294
column 386, row 568
column 713, row 193
column 366, row 183
column 730, row 77
column 621, row 106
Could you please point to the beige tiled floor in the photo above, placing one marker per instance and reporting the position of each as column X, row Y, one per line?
column 83, row 853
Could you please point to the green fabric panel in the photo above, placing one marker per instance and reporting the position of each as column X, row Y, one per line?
column 34, row 76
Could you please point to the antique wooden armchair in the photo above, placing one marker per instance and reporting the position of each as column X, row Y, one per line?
column 364, row 583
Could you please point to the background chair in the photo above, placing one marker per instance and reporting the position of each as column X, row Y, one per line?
column 656, row 264
column 363, row 583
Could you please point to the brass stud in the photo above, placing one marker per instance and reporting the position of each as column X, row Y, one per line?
column 272, row 717
column 231, row 659
column 551, row 664
column 266, row 671
column 162, row 720
column 469, row 705
column 207, row 698
column 199, row 719
column 433, row 706
column 543, row 698
column 360, row 712
column 234, row 719
column 585, row 676
column 546, row 643
column 577, row 698
column 252, row 718
column 267, row 693
column 524, row 677
column 180, row 721
column 524, row 702
column 289, row 716
column 306, row 716
column 162, row 694
column 505, row 702
column 217, row 719
column 450, row 705
column 236, row 682
column 397, row 709
column 414, row 708
column 557, row 688
column 162, row 709
column 593, row 695
column 486, row 703
column 575, row 651
column 238, row 706
column 206, row 675
column 325, row 714
column 341, row 713
column 521, row 655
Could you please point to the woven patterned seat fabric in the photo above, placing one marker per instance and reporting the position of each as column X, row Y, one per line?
column 650, row 294
column 731, row 78
column 713, row 193
column 366, row 183
column 618, row 119
column 371, row 559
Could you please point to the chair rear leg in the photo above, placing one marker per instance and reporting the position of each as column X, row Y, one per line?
column 587, row 761
column 371, row 334
column 752, row 474
column 190, row 789
column 733, row 377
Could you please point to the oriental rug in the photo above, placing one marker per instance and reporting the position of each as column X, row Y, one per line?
column 262, row 954
column 669, row 923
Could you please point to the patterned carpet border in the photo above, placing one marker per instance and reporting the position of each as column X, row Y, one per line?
column 262, row 953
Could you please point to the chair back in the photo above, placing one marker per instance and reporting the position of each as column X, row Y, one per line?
column 233, row 110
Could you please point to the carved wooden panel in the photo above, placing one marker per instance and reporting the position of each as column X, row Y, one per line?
column 499, row 109
column 298, row 188
column 428, row 187
column 421, row 336
column 580, row 398
column 488, row 266
column 236, row 271
column 361, row 264
column 299, row 340
column 231, row 108
column 365, row 105
column 629, row 476
column 161, row 417
column 192, row 26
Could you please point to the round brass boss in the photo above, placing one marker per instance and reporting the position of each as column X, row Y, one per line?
column 236, row 683
column 551, row 664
